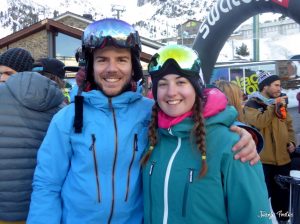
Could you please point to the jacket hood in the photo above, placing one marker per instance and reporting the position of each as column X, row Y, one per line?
column 258, row 95
column 35, row 91
column 183, row 129
column 226, row 117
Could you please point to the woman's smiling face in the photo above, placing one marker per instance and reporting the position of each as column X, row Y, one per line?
column 175, row 95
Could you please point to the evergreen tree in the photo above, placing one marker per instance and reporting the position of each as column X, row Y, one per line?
column 21, row 14
column 242, row 50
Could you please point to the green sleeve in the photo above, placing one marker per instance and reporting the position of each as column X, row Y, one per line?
column 245, row 192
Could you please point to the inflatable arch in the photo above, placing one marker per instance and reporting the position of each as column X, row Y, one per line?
column 225, row 17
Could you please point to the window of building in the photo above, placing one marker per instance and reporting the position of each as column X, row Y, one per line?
column 65, row 48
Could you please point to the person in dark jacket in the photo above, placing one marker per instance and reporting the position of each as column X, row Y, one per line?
column 28, row 102
column 14, row 60
column 53, row 69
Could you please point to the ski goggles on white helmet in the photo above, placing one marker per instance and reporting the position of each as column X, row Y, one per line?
column 111, row 32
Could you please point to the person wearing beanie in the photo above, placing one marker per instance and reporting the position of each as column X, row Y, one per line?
column 88, row 168
column 28, row 102
column 265, row 79
column 189, row 161
column 14, row 60
column 266, row 110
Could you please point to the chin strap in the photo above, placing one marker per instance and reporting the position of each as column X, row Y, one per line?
column 78, row 118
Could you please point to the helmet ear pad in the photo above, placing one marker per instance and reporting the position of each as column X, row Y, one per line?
column 90, row 81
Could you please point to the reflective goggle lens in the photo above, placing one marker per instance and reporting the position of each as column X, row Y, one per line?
column 121, row 33
column 185, row 57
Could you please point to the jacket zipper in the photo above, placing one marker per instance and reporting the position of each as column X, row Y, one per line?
column 93, row 149
column 166, row 182
column 135, row 148
column 114, row 162
column 186, row 190
column 150, row 190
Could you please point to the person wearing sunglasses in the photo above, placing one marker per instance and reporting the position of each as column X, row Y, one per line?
column 189, row 171
column 88, row 168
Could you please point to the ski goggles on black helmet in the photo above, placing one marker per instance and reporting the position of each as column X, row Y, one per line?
column 110, row 32
column 186, row 58
column 176, row 59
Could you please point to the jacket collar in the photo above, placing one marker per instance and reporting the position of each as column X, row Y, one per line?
column 184, row 128
column 99, row 100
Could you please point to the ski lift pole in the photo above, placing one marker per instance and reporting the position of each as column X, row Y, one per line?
column 256, row 38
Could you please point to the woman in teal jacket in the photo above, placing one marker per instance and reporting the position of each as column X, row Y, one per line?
column 189, row 174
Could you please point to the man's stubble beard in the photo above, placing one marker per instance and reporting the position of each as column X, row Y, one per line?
column 126, row 87
column 272, row 95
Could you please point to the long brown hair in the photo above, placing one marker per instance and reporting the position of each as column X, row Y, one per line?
column 198, row 133
column 55, row 78
column 233, row 93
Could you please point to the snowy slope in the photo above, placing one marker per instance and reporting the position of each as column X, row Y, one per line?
column 159, row 18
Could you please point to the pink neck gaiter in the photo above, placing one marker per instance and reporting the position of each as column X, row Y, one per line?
column 165, row 121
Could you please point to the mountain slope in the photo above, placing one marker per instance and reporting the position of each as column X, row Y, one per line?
column 155, row 19
column 159, row 19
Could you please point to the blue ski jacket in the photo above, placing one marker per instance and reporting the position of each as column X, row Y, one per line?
column 93, row 176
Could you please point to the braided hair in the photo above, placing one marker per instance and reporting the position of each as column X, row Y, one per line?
column 198, row 133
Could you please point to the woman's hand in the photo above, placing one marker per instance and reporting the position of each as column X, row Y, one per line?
column 246, row 146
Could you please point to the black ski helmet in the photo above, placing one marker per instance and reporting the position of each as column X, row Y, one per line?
column 111, row 32
column 176, row 59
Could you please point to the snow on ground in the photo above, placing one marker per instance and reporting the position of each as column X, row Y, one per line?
column 281, row 47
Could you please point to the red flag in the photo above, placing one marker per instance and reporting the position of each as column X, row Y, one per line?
column 284, row 3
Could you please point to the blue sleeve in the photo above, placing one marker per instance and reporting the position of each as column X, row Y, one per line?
column 245, row 191
column 53, row 163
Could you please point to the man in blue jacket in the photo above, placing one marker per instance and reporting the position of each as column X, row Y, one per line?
column 88, row 167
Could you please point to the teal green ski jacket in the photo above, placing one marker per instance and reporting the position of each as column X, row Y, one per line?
column 230, row 192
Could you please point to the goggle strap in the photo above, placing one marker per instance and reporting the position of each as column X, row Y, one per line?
column 171, row 63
